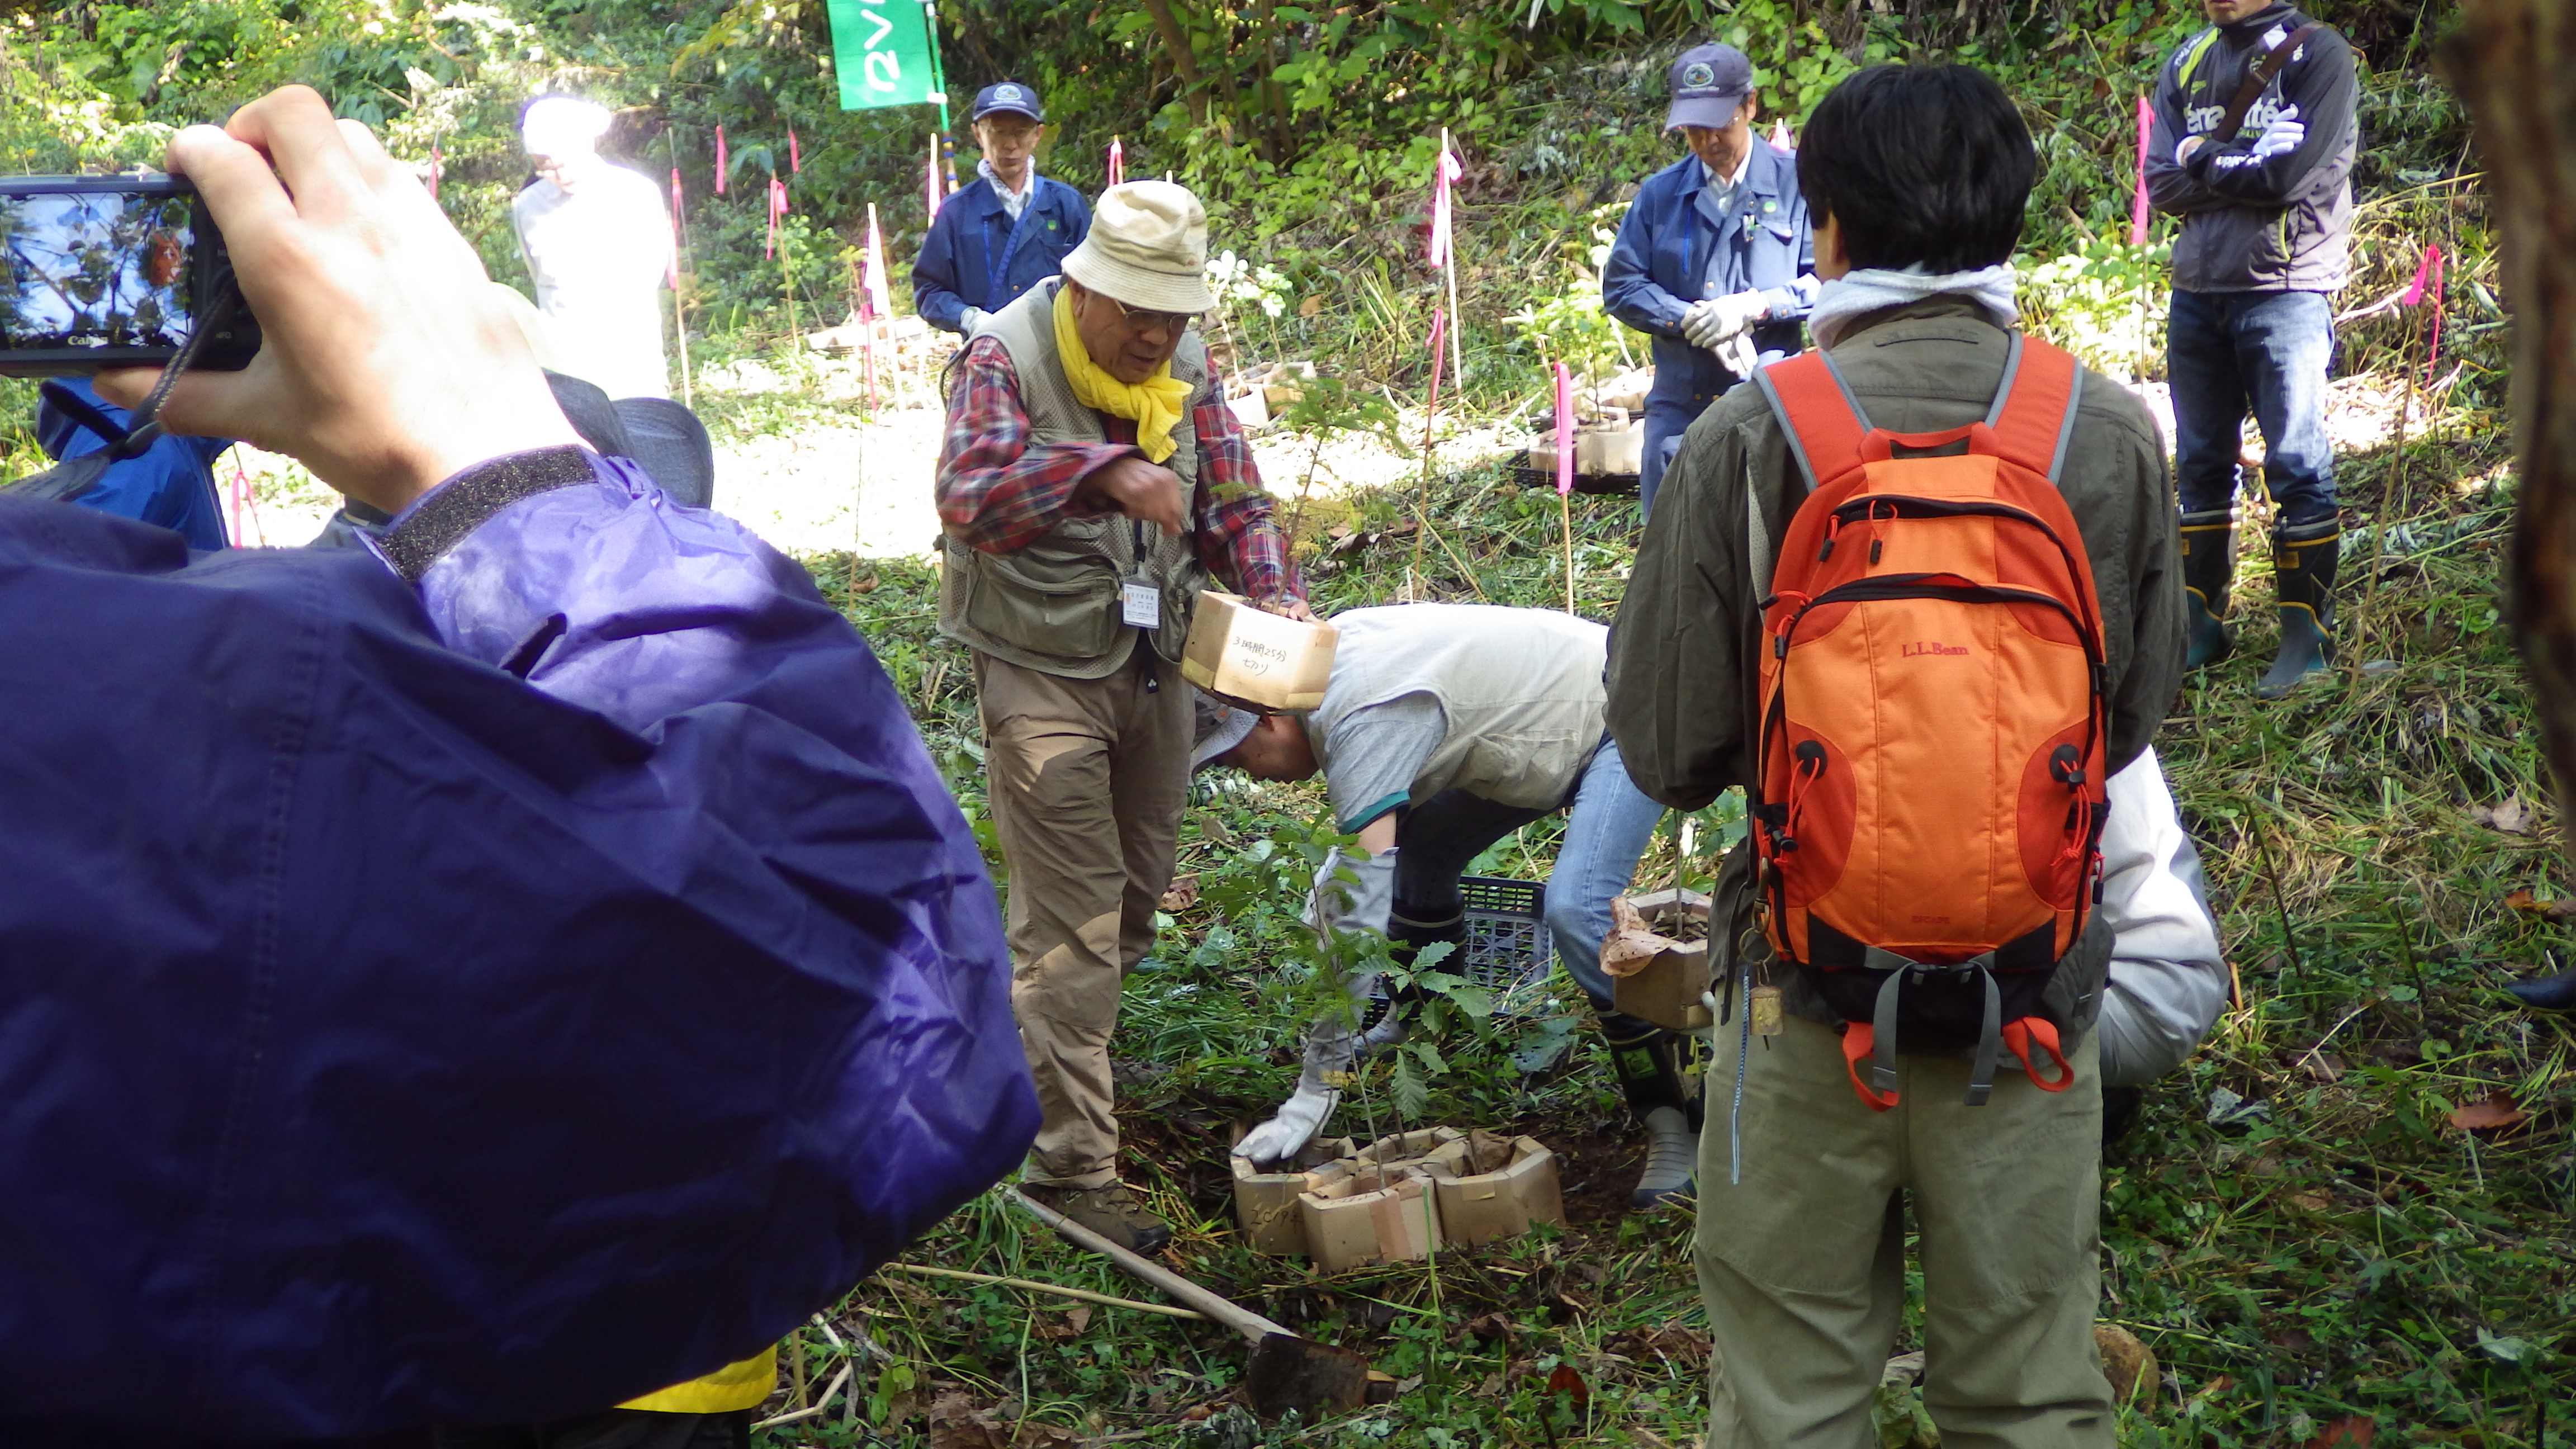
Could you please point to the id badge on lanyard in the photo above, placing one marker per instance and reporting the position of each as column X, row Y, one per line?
column 1140, row 604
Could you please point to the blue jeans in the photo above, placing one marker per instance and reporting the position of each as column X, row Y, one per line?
column 2227, row 352
column 1608, row 824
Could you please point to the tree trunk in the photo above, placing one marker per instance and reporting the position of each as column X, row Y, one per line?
column 2514, row 62
column 1176, row 43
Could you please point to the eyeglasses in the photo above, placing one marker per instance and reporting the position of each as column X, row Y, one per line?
column 1140, row 320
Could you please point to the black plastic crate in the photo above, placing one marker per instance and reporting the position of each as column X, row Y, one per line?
column 1507, row 941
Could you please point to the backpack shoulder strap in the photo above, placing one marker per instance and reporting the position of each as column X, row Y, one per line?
column 1818, row 414
column 2034, row 413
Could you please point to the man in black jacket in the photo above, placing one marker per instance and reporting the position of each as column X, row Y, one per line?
column 2267, row 212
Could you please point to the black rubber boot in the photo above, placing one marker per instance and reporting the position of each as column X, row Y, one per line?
column 2208, row 568
column 2120, row 1108
column 2303, row 570
column 2549, row 993
column 1665, row 1101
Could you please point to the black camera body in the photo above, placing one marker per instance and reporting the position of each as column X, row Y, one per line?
column 113, row 271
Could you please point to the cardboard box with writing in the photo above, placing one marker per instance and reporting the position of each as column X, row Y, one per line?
column 1260, row 659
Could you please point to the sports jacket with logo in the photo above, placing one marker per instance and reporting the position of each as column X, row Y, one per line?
column 2280, row 224
column 1684, row 653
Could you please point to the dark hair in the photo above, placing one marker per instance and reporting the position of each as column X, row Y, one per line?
column 1926, row 164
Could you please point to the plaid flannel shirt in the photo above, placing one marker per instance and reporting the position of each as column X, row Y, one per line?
column 998, row 493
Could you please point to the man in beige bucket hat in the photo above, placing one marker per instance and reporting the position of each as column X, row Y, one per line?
column 1091, row 481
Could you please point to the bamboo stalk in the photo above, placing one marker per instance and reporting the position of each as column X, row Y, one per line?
column 1034, row 1286
column 1449, row 264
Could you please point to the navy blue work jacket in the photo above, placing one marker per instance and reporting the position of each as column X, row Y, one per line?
column 1661, row 263
column 975, row 257
column 471, row 1002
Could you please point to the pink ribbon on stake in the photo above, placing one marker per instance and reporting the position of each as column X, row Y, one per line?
column 874, row 296
column 2138, row 200
column 1564, row 431
column 1781, row 140
column 1441, row 175
column 434, row 170
column 2427, row 287
column 795, row 162
column 1439, row 333
column 777, row 209
column 1117, row 162
column 720, row 158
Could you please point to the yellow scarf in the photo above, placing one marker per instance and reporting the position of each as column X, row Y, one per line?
column 1154, row 404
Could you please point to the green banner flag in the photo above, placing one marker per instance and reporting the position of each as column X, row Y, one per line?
column 886, row 54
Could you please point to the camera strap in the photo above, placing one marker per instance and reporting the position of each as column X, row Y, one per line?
column 145, row 427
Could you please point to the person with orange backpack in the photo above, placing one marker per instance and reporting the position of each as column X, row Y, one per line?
column 1917, row 593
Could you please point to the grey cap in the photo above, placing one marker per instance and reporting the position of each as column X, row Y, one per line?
column 1709, row 82
column 1220, row 728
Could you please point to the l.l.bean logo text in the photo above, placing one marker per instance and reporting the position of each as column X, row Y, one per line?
column 1911, row 651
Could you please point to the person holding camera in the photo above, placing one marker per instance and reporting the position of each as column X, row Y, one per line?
column 2253, row 147
column 512, row 965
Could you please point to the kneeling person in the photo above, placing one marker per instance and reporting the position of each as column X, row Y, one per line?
column 1444, row 728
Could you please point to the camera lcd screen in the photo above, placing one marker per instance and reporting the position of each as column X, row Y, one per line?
column 96, row 269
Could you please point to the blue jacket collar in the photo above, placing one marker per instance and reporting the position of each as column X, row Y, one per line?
column 1763, row 175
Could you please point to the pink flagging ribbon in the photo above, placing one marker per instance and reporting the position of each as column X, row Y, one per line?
column 872, row 281
column 1781, row 140
column 434, row 170
column 675, row 228
column 795, row 160
column 720, row 159
column 777, row 209
column 2138, row 201
column 1117, row 162
column 1564, row 431
column 1441, row 175
column 2427, row 287
column 930, row 180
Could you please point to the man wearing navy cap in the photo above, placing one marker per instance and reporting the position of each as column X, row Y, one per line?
column 1714, row 259
column 994, row 240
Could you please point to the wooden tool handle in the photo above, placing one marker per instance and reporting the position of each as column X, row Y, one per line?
column 1233, row 1315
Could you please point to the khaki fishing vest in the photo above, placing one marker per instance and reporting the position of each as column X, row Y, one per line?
column 1054, row 606
column 1520, row 689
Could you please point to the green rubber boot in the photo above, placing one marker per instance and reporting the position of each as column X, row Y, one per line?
column 2208, row 569
column 2303, row 570
column 1664, row 1097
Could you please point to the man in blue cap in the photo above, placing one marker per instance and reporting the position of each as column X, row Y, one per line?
column 1714, row 259
column 994, row 240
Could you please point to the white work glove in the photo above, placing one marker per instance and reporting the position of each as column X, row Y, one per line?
column 1364, row 905
column 1331, row 1047
column 2283, row 136
column 1712, row 322
column 971, row 321
column 1739, row 355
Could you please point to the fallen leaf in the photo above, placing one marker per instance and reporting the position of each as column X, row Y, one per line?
column 1490, row 1327
column 2351, row 1432
column 1312, row 306
column 1182, row 894
column 2497, row 1110
column 2322, row 1066
column 2510, row 816
column 1564, row 1380
column 866, row 585
column 2551, row 910
column 955, row 1424
column 2129, row 1364
column 2315, row 1202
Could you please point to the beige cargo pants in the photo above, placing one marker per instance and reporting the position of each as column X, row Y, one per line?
column 1086, row 779
column 1802, row 1264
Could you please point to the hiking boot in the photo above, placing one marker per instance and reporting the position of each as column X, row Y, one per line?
column 2303, row 572
column 2208, row 568
column 1672, row 1157
column 1113, row 1212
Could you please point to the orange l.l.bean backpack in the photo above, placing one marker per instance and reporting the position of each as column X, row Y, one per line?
column 1931, row 790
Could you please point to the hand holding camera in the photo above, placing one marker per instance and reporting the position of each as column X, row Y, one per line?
column 383, row 367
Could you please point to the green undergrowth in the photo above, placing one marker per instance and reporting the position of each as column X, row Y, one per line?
column 2343, row 1251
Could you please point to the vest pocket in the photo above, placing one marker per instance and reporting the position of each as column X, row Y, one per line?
column 1046, row 601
